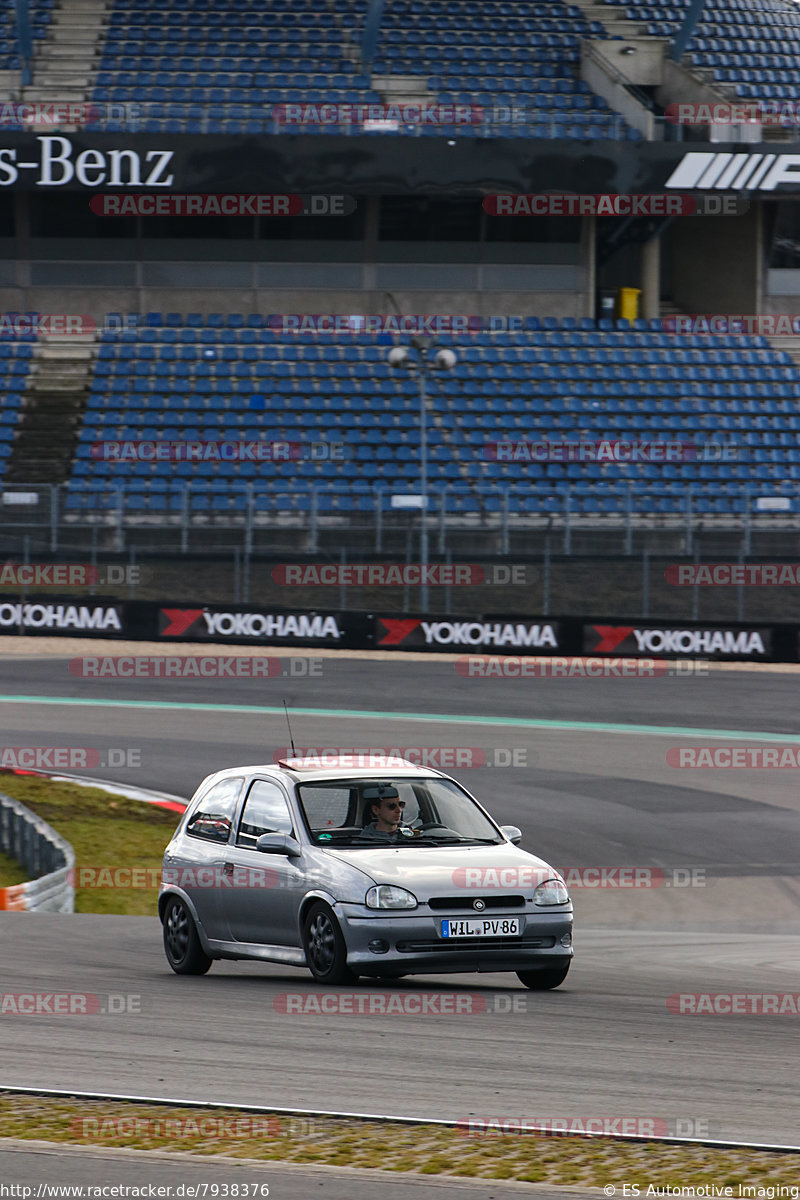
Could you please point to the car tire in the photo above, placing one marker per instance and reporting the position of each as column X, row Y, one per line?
column 182, row 945
column 542, row 981
column 324, row 944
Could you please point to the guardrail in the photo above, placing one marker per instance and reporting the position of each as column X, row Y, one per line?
column 113, row 512
column 48, row 858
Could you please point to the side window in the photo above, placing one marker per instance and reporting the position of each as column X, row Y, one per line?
column 326, row 807
column 213, row 817
column 265, row 811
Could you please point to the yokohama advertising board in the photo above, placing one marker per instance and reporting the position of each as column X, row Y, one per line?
column 62, row 618
column 679, row 641
column 506, row 635
column 254, row 625
column 510, row 635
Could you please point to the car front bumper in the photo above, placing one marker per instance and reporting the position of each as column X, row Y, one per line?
column 396, row 943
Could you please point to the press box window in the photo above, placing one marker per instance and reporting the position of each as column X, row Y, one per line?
column 213, row 818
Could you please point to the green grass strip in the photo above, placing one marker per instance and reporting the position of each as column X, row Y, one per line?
column 391, row 1146
column 109, row 834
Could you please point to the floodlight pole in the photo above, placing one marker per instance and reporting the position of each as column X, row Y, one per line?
column 423, row 477
column 421, row 366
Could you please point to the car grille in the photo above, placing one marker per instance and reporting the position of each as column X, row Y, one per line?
column 468, row 902
column 453, row 945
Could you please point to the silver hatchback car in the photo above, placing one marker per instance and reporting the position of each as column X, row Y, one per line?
column 382, row 870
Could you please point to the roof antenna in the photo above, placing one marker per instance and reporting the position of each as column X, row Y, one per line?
column 291, row 739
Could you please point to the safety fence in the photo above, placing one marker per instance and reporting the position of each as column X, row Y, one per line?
column 379, row 516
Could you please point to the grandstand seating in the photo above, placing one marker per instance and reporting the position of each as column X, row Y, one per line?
column 218, row 67
column 233, row 378
column 15, row 359
column 749, row 47
column 40, row 13
column 221, row 66
column 509, row 55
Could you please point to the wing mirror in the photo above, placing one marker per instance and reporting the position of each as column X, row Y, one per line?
column 279, row 843
column 512, row 833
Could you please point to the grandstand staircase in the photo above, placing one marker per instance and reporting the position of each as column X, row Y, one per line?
column 64, row 63
column 56, row 398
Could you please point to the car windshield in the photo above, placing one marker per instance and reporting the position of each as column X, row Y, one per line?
column 435, row 812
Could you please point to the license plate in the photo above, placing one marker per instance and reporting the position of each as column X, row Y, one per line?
column 485, row 927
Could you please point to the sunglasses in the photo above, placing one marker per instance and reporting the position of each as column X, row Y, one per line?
column 395, row 804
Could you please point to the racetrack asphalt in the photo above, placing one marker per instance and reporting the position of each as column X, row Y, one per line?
column 593, row 789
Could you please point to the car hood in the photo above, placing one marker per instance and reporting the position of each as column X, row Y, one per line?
column 451, row 870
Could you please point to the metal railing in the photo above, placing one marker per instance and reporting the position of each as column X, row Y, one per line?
column 114, row 516
column 47, row 857
column 342, row 119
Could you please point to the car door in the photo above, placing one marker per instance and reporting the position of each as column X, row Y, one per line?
column 196, row 861
column 265, row 891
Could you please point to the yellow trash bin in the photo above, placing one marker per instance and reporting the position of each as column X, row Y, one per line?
column 628, row 303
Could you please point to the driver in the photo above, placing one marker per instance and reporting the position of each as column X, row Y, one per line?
column 386, row 810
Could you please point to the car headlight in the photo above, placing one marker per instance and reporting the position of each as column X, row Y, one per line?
column 553, row 891
column 388, row 896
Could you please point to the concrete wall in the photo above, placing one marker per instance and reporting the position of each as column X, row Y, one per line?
column 69, row 275
column 734, row 246
column 781, row 291
column 634, row 61
column 97, row 302
column 681, row 87
column 607, row 71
